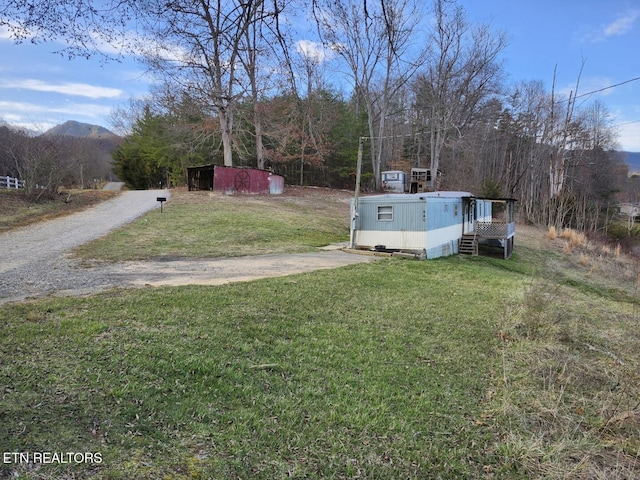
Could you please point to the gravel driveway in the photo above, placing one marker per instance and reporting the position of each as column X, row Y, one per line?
column 35, row 260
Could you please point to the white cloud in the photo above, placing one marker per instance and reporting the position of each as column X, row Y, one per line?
column 629, row 136
column 19, row 106
column 81, row 109
column 130, row 42
column 622, row 25
column 14, row 32
column 314, row 51
column 24, row 113
column 4, row 33
column 67, row 88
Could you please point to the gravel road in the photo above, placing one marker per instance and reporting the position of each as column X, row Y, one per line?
column 35, row 260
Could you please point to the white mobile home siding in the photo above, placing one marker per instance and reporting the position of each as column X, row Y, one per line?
column 430, row 222
column 394, row 181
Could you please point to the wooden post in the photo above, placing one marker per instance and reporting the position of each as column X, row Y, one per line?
column 354, row 213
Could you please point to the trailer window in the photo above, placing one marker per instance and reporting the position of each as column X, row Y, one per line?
column 385, row 213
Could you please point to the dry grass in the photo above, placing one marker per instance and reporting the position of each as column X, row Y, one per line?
column 19, row 210
column 580, row 258
column 569, row 389
column 575, row 239
column 584, row 260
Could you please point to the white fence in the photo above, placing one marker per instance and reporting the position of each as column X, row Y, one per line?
column 11, row 182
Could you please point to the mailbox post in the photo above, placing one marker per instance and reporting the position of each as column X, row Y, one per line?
column 161, row 200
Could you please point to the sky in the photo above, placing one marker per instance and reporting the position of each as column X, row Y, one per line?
column 40, row 89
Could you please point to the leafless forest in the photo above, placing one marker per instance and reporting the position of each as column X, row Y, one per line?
column 295, row 85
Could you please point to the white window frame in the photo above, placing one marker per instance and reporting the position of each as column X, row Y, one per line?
column 385, row 213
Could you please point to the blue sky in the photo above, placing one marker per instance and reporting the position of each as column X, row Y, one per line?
column 548, row 34
column 39, row 89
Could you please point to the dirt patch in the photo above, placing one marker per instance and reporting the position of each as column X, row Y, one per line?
column 227, row 270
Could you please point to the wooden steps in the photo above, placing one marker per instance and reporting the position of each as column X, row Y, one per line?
column 468, row 244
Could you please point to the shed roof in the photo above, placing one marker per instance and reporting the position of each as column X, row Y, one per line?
column 200, row 167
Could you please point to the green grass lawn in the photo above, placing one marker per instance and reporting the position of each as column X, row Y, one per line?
column 368, row 370
column 222, row 226
column 462, row 367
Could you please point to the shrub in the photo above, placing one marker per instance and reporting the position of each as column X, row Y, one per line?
column 575, row 239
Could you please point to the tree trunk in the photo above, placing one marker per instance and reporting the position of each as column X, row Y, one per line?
column 226, row 124
column 259, row 143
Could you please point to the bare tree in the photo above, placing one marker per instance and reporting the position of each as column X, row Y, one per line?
column 375, row 42
column 82, row 27
column 596, row 119
column 123, row 118
column 560, row 133
column 44, row 163
column 198, row 44
column 264, row 53
column 595, row 173
column 314, row 118
column 200, row 51
column 528, row 110
column 464, row 71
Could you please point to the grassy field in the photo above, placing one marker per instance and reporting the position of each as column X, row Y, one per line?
column 207, row 224
column 462, row 367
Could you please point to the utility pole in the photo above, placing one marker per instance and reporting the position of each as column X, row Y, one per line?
column 354, row 210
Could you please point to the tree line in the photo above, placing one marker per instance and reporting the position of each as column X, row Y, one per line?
column 48, row 162
column 419, row 83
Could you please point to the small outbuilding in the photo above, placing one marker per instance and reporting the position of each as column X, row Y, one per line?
column 433, row 223
column 200, row 178
column 234, row 179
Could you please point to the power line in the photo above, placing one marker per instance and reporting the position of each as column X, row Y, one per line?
column 606, row 88
column 626, row 123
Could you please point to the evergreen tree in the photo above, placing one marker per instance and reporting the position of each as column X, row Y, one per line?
column 144, row 158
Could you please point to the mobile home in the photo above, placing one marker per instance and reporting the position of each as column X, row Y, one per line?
column 395, row 181
column 418, row 181
column 434, row 223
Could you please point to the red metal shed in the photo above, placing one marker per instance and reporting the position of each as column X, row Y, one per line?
column 200, row 177
column 246, row 180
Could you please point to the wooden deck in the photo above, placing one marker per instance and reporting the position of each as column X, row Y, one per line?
column 502, row 231
column 495, row 229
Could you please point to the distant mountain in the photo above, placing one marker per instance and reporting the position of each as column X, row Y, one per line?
column 633, row 160
column 72, row 128
column 14, row 128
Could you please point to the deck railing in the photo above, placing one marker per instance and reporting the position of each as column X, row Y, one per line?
column 495, row 229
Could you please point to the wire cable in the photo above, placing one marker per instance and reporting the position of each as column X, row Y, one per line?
column 606, row 88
